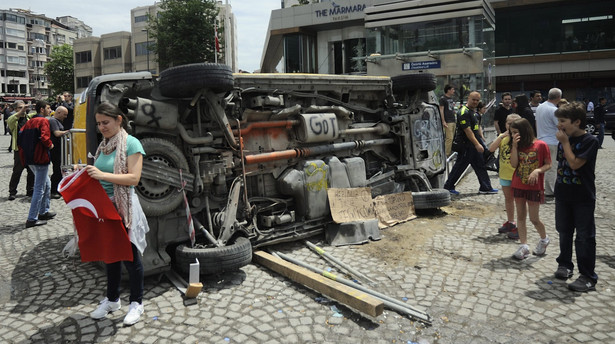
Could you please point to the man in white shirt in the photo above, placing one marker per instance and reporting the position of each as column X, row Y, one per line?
column 546, row 127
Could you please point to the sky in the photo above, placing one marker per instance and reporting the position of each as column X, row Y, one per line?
column 106, row 16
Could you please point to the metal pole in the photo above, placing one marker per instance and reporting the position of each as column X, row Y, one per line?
column 389, row 302
column 328, row 256
column 147, row 39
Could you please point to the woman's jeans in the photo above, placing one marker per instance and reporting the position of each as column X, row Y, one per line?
column 41, row 191
column 135, row 275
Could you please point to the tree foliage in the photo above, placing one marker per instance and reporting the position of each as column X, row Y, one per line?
column 60, row 69
column 184, row 32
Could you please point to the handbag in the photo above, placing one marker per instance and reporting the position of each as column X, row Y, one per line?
column 490, row 161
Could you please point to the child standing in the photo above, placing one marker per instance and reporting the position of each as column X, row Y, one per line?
column 506, row 173
column 532, row 159
column 575, row 196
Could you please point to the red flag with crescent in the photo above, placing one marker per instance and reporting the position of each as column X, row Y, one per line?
column 102, row 236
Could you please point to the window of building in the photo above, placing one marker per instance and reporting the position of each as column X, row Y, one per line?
column 83, row 57
column 35, row 36
column 573, row 26
column 414, row 37
column 14, row 32
column 39, row 21
column 112, row 53
column 141, row 48
column 141, row 18
column 299, row 54
column 346, row 56
column 13, row 73
column 13, row 18
column 11, row 45
column 38, row 50
column 83, row 81
column 16, row 60
column 37, row 64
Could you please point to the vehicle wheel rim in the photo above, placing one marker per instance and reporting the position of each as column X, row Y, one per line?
column 151, row 188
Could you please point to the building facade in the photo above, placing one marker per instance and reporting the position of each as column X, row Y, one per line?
column 142, row 58
column 518, row 45
column 383, row 37
column 26, row 40
column 122, row 52
column 570, row 45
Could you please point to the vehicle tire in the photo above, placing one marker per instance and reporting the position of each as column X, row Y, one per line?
column 216, row 259
column 435, row 198
column 590, row 128
column 158, row 198
column 185, row 81
column 414, row 82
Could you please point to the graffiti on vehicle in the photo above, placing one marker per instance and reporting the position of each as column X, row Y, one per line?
column 320, row 125
column 438, row 159
column 316, row 177
column 150, row 111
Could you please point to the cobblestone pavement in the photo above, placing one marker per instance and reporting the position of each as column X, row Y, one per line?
column 464, row 278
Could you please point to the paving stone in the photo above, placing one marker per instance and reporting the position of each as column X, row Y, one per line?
column 462, row 276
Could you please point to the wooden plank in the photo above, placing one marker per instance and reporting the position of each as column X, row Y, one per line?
column 346, row 295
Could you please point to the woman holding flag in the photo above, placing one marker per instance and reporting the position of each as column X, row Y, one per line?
column 118, row 163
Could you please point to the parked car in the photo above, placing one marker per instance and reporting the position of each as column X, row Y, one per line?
column 255, row 153
column 609, row 118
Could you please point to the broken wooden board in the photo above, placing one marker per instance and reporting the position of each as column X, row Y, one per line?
column 346, row 295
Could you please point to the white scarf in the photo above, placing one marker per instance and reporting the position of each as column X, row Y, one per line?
column 121, row 193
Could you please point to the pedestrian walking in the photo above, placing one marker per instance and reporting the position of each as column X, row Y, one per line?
column 471, row 148
column 34, row 144
column 575, row 197
column 15, row 122
column 531, row 159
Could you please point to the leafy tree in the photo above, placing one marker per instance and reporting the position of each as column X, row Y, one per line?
column 184, row 32
column 60, row 69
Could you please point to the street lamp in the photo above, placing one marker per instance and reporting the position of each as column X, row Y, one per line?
column 147, row 46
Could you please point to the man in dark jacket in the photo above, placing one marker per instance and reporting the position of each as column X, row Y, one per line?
column 34, row 142
column 599, row 112
column 473, row 148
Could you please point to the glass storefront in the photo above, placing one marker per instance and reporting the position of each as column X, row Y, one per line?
column 572, row 26
column 299, row 54
column 444, row 37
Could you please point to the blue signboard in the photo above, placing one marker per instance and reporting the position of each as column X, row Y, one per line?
column 421, row 65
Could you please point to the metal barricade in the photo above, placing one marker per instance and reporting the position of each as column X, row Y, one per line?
column 67, row 150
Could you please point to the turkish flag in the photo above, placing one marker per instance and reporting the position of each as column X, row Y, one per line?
column 102, row 235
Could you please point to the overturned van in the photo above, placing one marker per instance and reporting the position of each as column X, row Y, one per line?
column 255, row 153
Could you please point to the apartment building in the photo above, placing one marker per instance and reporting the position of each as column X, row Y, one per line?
column 26, row 39
column 121, row 52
